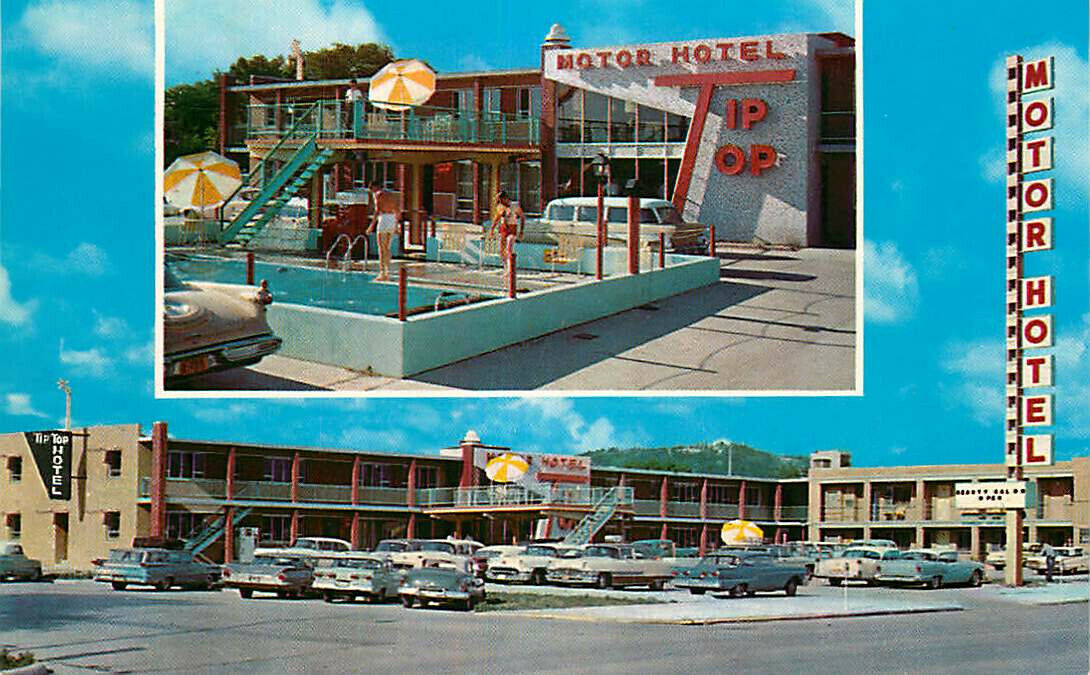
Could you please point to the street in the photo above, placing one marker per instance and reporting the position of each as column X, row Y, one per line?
column 76, row 626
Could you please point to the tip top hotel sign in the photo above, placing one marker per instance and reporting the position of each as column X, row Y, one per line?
column 1029, row 229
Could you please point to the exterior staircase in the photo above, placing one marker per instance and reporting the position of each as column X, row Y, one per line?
column 285, row 184
column 207, row 535
column 596, row 519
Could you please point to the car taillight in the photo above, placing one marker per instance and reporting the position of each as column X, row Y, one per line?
column 673, row 572
column 702, row 575
column 226, row 572
column 918, row 569
column 354, row 577
column 464, row 586
column 877, row 568
column 715, row 573
column 281, row 577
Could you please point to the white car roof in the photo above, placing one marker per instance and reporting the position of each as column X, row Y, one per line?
column 609, row 201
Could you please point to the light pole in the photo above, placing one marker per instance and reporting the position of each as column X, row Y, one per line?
column 62, row 384
column 601, row 170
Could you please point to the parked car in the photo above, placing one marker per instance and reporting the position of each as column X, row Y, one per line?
column 577, row 217
column 287, row 576
column 455, row 551
column 529, row 566
column 933, row 569
column 609, row 566
column 854, row 564
column 355, row 575
column 15, row 565
column 486, row 554
column 741, row 573
column 676, row 559
column 443, row 586
column 209, row 327
column 307, row 546
column 998, row 557
column 1069, row 560
column 157, row 567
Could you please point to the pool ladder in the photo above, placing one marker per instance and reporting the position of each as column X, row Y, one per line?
column 347, row 257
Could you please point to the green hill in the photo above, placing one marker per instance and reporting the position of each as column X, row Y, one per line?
column 721, row 457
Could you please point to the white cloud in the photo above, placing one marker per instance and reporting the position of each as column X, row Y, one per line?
column 12, row 312
column 19, row 404
column 87, row 362
column 87, row 259
column 104, row 34
column 558, row 415
column 140, row 354
column 1072, row 118
column 203, row 35
column 373, row 438
column 110, row 326
column 216, row 412
column 891, row 289
column 473, row 63
column 981, row 358
column 840, row 13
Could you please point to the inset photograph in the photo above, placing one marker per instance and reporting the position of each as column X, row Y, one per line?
column 668, row 216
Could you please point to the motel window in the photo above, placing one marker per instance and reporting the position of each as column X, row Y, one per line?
column 463, row 191
column 111, row 520
column 182, row 524
column 652, row 125
column 596, row 118
column 463, row 99
column 622, row 121
column 722, row 494
column 112, row 460
column 278, row 469
column 185, row 464
column 754, row 496
column 530, row 187
column 15, row 469
column 376, row 475
column 677, row 128
column 15, row 525
column 491, row 100
column 427, row 477
column 275, row 528
column 684, row 491
column 569, row 179
column 569, row 114
column 528, row 103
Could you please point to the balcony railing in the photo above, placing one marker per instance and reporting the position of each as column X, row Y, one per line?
column 834, row 514
column 722, row 511
column 269, row 491
column 794, row 513
column 1056, row 509
column 647, row 507
column 683, row 509
column 514, row 495
column 196, row 487
column 336, row 120
column 897, row 511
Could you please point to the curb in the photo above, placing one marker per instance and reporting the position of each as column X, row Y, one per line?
column 743, row 619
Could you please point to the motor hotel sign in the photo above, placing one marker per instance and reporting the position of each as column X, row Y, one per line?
column 52, row 451
column 1030, row 196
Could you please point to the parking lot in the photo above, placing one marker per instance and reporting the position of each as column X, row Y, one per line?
column 80, row 626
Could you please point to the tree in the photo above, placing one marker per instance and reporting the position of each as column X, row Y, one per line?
column 344, row 61
column 189, row 118
column 259, row 66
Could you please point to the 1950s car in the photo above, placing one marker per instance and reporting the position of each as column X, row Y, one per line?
column 931, row 568
column 609, row 566
column 529, row 566
column 15, row 565
column 287, row 576
column 355, row 576
column 577, row 217
column 442, row 586
column 485, row 555
column 209, row 327
column 458, row 552
column 1069, row 560
column 158, row 567
column 741, row 573
column 858, row 563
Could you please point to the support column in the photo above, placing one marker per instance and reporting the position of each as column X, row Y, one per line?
column 410, row 530
column 314, row 214
column 158, row 524
column 476, row 220
column 1012, row 571
column 229, row 535
column 494, row 177
column 703, row 539
column 467, row 479
column 919, row 536
column 868, row 513
column 223, row 114
column 294, row 525
column 354, row 535
column 295, row 465
column 410, row 486
column 355, row 490
column 416, row 217
column 231, row 473
column 741, row 500
column 662, row 533
column 777, row 503
column 664, row 495
column 704, row 500
column 974, row 547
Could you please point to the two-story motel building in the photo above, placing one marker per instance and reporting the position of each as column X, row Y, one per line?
column 126, row 484
column 755, row 135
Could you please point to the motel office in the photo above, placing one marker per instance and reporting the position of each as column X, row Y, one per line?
column 754, row 135
column 126, row 484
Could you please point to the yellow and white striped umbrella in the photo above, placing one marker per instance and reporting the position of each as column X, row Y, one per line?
column 201, row 180
column 401, row 84
column 741, row 532
column 506, row 468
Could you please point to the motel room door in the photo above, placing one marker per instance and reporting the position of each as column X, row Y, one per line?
column 60, row 537
column 838, row 199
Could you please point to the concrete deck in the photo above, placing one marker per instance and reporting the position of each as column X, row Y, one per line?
column 776, row 321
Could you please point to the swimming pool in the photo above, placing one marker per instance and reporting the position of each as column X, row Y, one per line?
column 315, row 287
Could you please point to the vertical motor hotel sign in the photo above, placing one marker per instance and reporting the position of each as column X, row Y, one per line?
column 52, row 451
column 1029, row 229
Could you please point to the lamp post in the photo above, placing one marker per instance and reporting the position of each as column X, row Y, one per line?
column 62, row 384
column 601, row 170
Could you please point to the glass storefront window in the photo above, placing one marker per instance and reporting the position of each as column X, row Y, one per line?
column 596, row 118
column 652, row 125
column 677, row 128
column 622, row 121
column 569, row 114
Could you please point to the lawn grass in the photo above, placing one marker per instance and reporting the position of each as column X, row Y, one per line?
column 509, row 601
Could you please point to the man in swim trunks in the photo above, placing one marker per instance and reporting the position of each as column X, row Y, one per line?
column 384, row 221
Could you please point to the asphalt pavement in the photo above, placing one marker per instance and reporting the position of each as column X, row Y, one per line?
column 81, row 626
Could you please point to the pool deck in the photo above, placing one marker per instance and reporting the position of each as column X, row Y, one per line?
column 777, row 320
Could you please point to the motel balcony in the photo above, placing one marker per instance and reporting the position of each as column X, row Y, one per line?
column 275, row 491
column 516, row 496
column 334, row 120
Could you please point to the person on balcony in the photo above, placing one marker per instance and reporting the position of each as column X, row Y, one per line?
column 384, row 221
column 352, row 98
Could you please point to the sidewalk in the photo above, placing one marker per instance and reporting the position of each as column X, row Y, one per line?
column 745, row 610
column 1044, row 594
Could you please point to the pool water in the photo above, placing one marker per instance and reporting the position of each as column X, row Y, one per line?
column 314, row 287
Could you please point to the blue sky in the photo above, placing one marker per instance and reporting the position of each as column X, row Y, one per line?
column 76, row 223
